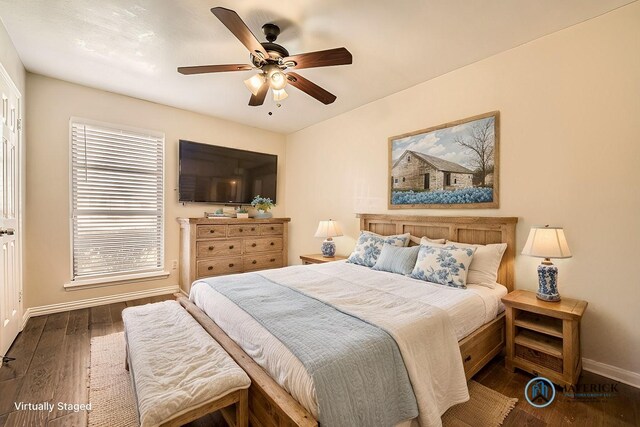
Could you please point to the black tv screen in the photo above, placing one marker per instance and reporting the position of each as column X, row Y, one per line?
column 214, row 174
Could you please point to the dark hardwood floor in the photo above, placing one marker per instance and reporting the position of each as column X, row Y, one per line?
column 52, row 361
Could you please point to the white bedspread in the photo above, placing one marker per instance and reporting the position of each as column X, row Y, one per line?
column 404, row 307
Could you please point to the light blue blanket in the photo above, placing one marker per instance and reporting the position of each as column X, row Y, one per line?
column 357, row 369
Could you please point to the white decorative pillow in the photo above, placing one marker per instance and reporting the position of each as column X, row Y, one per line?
column 424, row 240
column 444, row 265
column 486, row 261
column 370, row 245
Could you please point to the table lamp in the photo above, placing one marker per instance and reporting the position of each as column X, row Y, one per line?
column 547, row 242
column 328, row 230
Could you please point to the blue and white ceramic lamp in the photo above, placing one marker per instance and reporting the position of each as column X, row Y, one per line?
column 328, row 230
column 547, row 242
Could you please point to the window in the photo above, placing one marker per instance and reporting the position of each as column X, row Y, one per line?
column 408, row 159
column 403, row 179
column 116, row 202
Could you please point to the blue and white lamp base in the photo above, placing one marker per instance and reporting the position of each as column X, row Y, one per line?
column 548, row 282
column 328, row 248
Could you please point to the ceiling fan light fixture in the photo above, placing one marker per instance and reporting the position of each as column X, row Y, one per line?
column 254, row 83
column 279, row 94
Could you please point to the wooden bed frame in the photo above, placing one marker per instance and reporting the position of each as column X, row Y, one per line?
column 272, row 406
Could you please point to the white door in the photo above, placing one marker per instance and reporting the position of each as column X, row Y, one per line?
column 10, row 277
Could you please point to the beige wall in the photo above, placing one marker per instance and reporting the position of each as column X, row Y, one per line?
column 51, row 103
column 570, row 146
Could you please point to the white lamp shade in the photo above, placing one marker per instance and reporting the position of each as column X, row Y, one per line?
column 547, row 242
column 328, row 229
column 279, row 94
column 254, row 83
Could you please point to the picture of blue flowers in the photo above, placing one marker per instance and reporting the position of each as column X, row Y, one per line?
column 454, row 165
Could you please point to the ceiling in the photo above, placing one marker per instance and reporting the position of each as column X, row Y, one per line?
column 133, row 47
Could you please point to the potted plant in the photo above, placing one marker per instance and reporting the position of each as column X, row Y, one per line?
column 263, row 205
column 242, row 213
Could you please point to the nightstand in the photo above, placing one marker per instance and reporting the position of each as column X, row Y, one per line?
column 319, row 259
column 543, row 338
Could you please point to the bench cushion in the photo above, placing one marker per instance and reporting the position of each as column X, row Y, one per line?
column 175, row 364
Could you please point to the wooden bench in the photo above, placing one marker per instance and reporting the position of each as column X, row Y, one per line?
column 179, row 372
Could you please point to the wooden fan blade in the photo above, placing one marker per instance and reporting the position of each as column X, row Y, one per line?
column 201, row 69
column 310, row 88
column 258, row 99
column 236, row 25
column 323, row 58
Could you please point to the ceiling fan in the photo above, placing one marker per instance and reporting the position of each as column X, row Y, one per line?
column 271, row 59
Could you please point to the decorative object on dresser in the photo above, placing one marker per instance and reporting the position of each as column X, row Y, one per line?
column 454, row 165
column 217, row 246
column 242, row 213
column 263, row 205
column 319, row 259
column 547, row 242
column 543, row 338
column 328, row 230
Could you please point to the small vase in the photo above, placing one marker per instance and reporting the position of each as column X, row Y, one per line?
column 263, row 214
column 242, row 215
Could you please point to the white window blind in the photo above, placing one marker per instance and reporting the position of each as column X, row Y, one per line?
column 117, row 201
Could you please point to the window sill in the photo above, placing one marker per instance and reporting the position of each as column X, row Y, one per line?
column 114, row 280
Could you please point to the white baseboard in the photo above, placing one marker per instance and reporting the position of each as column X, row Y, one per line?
column 613, row 372
column 92, row 302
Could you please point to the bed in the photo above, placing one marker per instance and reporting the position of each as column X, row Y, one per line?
column 478, row 323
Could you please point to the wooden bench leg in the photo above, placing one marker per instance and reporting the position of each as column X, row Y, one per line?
column 242, row 409
column 126, row 357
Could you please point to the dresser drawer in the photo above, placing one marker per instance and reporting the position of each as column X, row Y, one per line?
column 271, row 229
column 219, row 266
column 262, row 244
column 243, row 230
column 263, row 261
column 212, row 248
column 209, row 231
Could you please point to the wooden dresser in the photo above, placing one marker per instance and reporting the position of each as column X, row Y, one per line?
column 218, row 246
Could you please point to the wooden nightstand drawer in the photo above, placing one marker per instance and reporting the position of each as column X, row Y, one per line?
column 213, row 248
column 243, row 230
column 262, row 244
column 219, row 266
column 271, row 229
column 263, row 261
column 210, row 231
column 538, row 358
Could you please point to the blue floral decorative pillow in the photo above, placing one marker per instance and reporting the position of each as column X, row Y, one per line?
column 370, row 245
column 443, row 265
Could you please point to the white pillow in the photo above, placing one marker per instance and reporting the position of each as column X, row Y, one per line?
column 485, row 263
column 424, row 240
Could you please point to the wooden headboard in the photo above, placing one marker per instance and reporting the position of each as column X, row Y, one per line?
column 463, row 229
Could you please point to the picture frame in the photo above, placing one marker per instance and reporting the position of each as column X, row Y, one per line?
column 456, row 165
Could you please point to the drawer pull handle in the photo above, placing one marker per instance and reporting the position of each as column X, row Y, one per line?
column 254, row 245
column 254, row 262
column 212, row 231
column 231, row 265
column 231, row 247
column 468, row 358
column 273, row 228
column 272, row 243
column 210, row 248
column 240, row 230
column 253, row 229
column 210, row 268
column 272, row 260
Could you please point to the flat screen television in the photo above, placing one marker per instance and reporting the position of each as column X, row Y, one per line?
column 222, row 175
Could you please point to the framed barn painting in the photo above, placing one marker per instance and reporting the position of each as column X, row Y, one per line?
column 454, row 165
